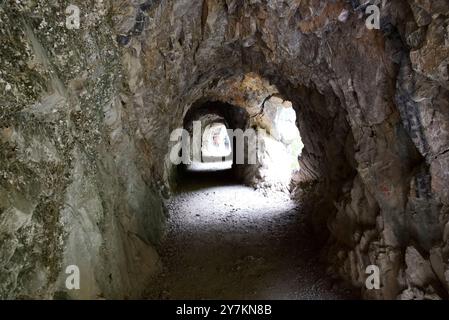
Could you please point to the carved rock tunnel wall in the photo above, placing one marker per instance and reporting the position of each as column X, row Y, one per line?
column 86, row 115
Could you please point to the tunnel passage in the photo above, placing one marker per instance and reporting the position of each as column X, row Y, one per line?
column 86, row 116
column 235, row 231
column 198, row 122
column 228, row 238
column 261, row 148
column 215, row 142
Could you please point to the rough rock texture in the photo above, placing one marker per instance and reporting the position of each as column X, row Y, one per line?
column 75, row 187
column 86, row 116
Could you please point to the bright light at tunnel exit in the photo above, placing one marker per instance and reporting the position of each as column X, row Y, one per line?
column 215, row 141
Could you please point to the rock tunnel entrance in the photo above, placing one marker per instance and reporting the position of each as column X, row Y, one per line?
column 87, row 175
column 226, row 240
column 234, row 230
column 262, row 149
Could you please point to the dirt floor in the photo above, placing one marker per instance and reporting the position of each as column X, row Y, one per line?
column 228, row 241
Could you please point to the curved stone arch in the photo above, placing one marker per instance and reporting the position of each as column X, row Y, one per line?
column 250, row 94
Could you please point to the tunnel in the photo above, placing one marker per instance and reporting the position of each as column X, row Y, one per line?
column 232, row 219
column 224, row 149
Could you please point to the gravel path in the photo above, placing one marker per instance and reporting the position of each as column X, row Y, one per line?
column 228, row 241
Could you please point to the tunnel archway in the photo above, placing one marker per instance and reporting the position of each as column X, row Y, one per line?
column 232, row 223
column 326, row 164
column 82, row 112
column 197, row 122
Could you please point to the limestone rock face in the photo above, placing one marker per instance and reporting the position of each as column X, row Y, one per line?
column 75, row 188
column 86, row 116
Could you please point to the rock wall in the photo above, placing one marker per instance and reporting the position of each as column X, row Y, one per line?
column 75, row 186
column 372, row 108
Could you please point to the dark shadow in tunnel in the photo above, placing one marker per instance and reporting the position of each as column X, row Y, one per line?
column 198, row 180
